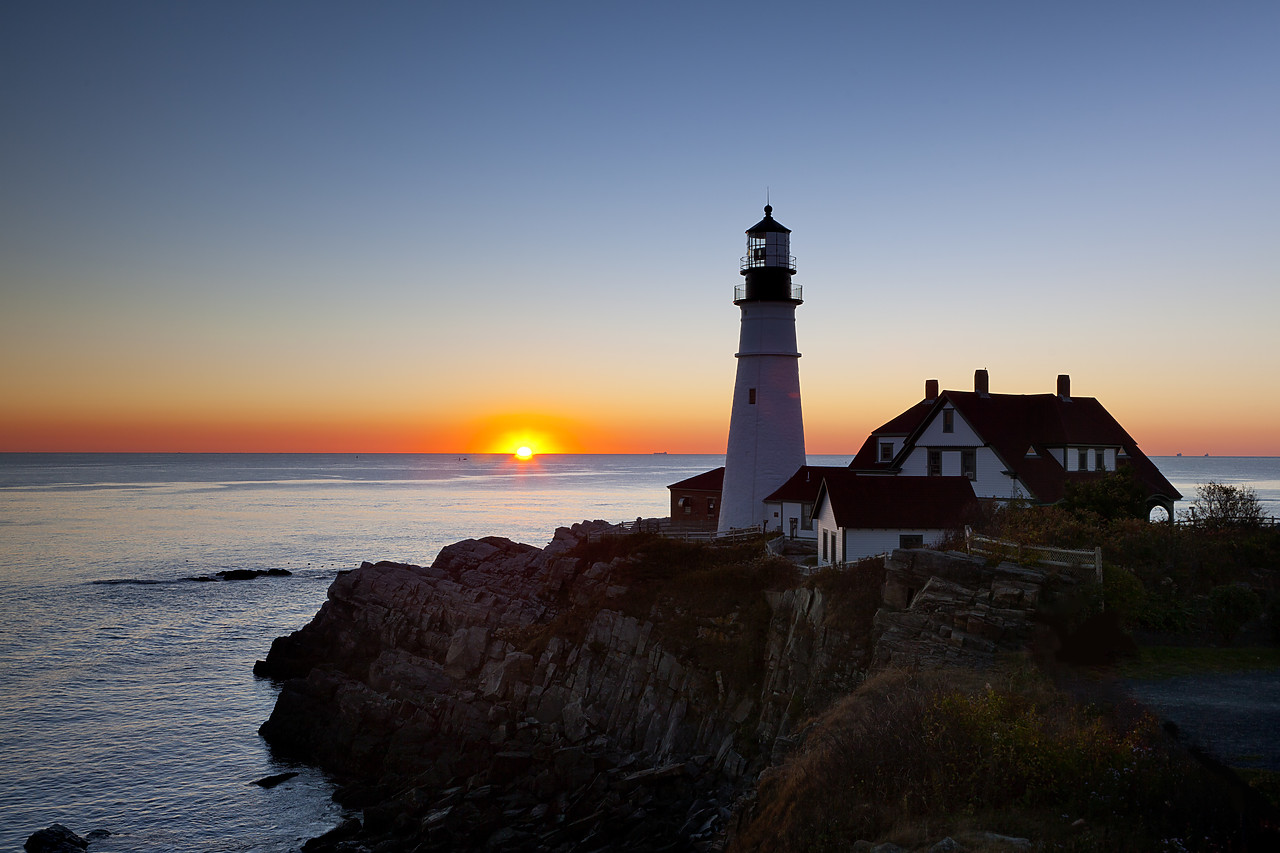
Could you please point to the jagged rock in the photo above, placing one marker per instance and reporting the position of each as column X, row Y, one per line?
column 467, row 651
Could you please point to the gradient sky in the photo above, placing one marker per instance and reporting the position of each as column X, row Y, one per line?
column 455, row 228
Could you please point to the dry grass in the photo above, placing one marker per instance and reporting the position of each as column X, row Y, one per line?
column 912, row 757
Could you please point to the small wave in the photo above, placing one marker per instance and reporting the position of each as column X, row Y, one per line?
column 137, row 581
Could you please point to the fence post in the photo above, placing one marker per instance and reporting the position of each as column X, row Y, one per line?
column 1097, row 568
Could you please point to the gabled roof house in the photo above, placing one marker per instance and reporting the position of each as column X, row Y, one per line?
column 1027, row 446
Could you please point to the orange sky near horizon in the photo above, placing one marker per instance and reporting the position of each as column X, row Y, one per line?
column 502, row 432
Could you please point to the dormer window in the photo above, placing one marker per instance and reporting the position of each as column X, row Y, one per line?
column 948, row 420
column 886, row 451
column 1082, row 459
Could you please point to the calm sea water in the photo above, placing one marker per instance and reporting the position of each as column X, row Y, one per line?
column 127, row 700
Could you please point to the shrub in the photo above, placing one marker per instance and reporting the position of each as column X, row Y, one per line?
column 1219, row 505
column 1123, row 593
column 1114, row 495
column 1230, row 607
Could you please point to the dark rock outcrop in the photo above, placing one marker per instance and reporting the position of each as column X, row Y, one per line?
column 273, row 780
column 503, row 698
column 511, row 698
column 242, row 575
column 949, row 609
column 55, row 839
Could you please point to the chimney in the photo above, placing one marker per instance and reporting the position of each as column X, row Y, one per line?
column 930, row 390
column 981, row 381
column 1064, row 386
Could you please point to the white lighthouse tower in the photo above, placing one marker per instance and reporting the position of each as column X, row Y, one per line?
column 766, row 430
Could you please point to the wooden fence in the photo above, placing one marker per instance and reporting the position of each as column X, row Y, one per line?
column 1042, row 555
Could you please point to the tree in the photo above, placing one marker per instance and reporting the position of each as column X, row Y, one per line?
column 1219, row 505
column 1115, row 494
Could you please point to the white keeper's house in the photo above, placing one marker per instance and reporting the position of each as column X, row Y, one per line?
column 1011, row 446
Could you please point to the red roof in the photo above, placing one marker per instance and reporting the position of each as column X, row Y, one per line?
column 707, row 481
column 862, row 501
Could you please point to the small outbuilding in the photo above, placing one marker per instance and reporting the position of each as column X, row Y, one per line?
column 862, row 515
column 695, row 502
column 790, row 507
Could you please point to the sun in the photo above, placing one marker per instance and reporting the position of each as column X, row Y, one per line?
column 524, row 451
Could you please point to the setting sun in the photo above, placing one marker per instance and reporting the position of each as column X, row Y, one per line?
column 524, row 452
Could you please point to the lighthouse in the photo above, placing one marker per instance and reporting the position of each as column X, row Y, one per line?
column 766, row 429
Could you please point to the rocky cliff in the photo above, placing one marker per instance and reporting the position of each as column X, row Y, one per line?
column 511, row 698
column 508, row 697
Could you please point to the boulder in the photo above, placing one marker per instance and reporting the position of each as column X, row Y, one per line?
column 56, row 838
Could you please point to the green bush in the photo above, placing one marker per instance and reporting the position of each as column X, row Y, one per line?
column 1123, row 593
column 1231, row 606
column 1114, row 495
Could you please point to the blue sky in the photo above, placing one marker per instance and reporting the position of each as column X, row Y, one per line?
column 403, row 223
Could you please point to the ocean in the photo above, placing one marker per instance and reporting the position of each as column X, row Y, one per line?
column 127, row 698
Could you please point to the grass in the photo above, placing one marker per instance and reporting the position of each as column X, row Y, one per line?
column 1160, row 662
column 911, row 757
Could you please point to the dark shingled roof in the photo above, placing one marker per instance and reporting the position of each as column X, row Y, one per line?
column 707, row 481
column 803, row 485
column 862, row 501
